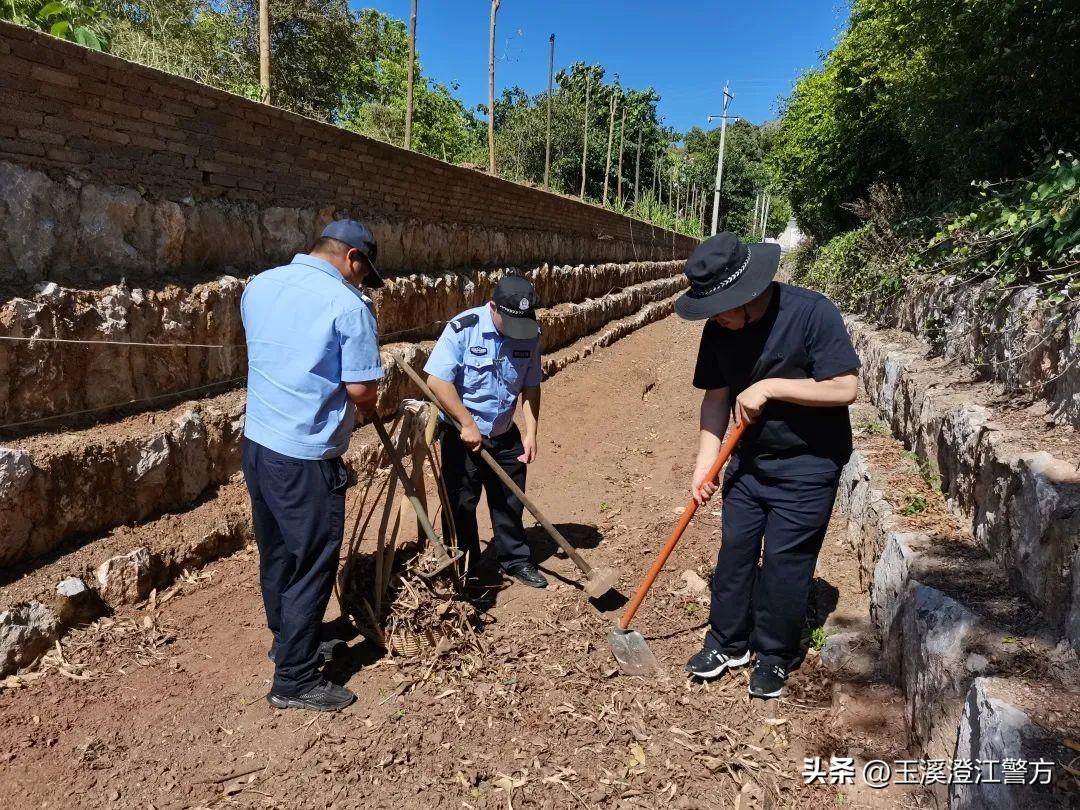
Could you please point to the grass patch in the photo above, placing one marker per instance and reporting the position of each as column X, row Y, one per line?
column 914, row 504
column 819, row 635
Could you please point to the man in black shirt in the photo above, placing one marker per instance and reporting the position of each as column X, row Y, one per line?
column 780, row 359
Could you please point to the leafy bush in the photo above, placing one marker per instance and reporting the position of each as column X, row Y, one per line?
column 928, row 94
column 1021, row 232
column 76, row 20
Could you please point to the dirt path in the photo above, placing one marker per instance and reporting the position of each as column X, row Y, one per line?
column 541, row 720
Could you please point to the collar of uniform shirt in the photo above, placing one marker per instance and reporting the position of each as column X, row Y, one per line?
column 487, row 325
column 324, row 266
column 321, row 265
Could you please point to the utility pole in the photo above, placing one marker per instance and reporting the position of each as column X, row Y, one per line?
column 412, row 78
column 765, row 215
column 637, row 168
column 720, row 159
column 753, row 227
column 585, row 139
column 622, row 143
column 264, row 50
column 547, row 149
column 610, row 139
column 491, row 86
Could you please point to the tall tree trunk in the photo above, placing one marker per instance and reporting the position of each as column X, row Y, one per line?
column 637, row 169
column 610, row 141
column 585, row 139
column 264, row 50
column 491, row 86
column 622, row 142
column 412, row 78
column 547, row 148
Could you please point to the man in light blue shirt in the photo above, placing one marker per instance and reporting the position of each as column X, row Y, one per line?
column 486, row 359
column 313, row 361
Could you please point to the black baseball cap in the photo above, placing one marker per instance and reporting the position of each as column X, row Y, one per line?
column 515, row 299
column 357, row 235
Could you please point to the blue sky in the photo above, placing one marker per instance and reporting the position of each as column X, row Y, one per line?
column 683, row 48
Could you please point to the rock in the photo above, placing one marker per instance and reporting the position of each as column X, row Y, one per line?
column 900, row 562
column 851, row 653
column 71, row 588
column 694, row 584
column 76, row 602
column 17, row 493
column 37, row 219
column 26, row 631
column 938, row 632
column 125, row 579
column 977, row 664
column 992, row 730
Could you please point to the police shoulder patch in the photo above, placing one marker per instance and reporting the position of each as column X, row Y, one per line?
column 465, row 321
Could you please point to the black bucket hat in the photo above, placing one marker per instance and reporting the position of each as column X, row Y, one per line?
column 726, row 274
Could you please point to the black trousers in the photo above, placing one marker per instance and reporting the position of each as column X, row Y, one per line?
column 465, row 474
column 298, row 511
column 764, row 609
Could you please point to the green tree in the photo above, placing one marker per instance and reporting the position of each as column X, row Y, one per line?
column 80, row 21
column 928, row 95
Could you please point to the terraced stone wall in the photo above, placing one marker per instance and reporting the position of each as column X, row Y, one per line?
column 111, row 168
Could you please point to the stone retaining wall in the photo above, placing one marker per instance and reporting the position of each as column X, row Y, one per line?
column 54, row 487
column 1024, row 343
column 1023, row 504
column 42, row 379
column 114, row 168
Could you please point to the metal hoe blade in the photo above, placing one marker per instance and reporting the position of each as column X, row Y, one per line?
column 600, row 581
column 632, row 653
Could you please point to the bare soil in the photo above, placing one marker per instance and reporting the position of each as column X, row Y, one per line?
column 168, row 710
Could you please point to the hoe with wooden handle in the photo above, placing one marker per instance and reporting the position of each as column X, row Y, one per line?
column 629, row 647
column 598, row 581
column 443, row 559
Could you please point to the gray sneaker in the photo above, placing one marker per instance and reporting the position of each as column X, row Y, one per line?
column 323, row 697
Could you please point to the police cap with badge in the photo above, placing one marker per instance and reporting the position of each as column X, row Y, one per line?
column 515, row 300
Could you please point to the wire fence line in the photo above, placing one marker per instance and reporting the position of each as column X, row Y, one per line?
column 157, row 397
column 123, row 404
column 149, row 344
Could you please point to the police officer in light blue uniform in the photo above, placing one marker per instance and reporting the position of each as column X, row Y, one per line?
column 313, row 361
column 486, row 360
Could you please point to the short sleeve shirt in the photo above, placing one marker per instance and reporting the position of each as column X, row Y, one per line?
column 801, row 336
column 487, row 368
column 308, row 333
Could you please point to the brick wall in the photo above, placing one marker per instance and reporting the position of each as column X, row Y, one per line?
column 67, row 110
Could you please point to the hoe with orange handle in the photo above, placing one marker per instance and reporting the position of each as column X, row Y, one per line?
column 629, row 647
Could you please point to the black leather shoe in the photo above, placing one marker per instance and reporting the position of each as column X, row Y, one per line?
column 326, row 650
column 526, row 573
column 323, row 697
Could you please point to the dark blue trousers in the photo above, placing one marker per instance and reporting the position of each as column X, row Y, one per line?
column 465, row 475
column 782, row 523
column 298, row 512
